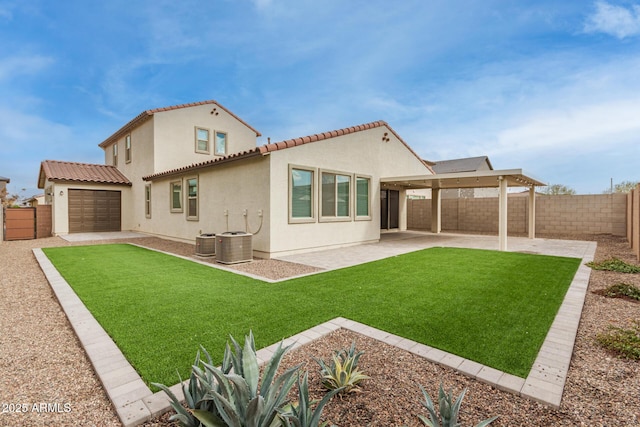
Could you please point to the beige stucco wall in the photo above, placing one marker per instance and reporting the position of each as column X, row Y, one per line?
column 60, row 203
column 230, row 188
column 174, row 132
column 362, row 153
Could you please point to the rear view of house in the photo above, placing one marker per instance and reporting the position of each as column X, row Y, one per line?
column 181, row 171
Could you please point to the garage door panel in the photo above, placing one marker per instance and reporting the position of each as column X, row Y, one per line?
column 94, row 211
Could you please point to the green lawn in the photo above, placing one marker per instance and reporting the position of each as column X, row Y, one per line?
column 491, row 307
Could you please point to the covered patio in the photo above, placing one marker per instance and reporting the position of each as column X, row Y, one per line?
column 502, row 179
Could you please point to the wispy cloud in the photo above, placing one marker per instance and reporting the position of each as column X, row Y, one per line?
column 614, row 20
column 20, row 65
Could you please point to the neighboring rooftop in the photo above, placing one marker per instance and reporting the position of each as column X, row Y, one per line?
column 52, row 170
column 3, row 179
column 467, row 164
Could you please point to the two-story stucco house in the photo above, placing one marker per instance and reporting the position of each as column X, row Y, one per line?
column 180, row 171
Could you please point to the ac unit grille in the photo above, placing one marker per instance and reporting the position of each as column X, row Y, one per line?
column 206, row 245
column 234, row 247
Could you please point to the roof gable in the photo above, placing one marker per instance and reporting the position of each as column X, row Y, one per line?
column 148, row 114
column 56, row 171
column 282, row 145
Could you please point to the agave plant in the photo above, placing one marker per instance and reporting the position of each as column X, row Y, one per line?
column 201, row 382
column 240, row 403
column 343, row 372
column 449, row 410
column 229, row 395
column 301, row 414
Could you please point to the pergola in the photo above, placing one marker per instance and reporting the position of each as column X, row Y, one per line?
column 479, row 179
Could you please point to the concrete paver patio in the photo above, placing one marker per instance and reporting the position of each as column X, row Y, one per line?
column 135, row 403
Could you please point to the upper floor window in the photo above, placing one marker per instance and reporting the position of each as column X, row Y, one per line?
column 202, row 140
column 115, row 154
column 335, row 195
column 127, row 149
column 192, row 198
column 221, row 143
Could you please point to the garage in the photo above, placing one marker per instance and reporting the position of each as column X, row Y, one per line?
column 94, row 211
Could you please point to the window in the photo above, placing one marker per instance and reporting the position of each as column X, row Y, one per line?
column 335, row 195
column 202, row 140
column 176, row 196
column 363, row 208
column 301, row 194
column 147, row 200
column 221, row 143
column 127, row 149
column 192, row 198
column 115, row 154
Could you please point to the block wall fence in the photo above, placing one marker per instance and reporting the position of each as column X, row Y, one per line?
column 585, row 214
column 633, row 220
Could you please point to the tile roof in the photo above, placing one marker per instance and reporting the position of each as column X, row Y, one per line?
column 147, row 114
column 289, row 143
column 52, row 170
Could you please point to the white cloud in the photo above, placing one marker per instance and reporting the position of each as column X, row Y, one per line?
column 23, row 64
column 615, row 20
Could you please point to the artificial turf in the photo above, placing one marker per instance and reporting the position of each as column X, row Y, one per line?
column 488, row 306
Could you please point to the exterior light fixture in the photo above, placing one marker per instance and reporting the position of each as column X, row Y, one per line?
column 61, row 193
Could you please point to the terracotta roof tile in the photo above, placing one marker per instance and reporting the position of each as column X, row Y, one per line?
column 202, row 165
column 52, row 170
column 282, row 145
column 147, row 114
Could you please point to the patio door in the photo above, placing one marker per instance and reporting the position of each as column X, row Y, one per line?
column 389, row 209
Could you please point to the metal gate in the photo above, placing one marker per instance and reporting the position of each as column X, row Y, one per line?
column 20, row 223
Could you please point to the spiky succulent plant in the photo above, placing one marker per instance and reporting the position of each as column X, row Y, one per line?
column 343, row 371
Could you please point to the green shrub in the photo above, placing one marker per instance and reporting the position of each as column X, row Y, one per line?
column 343, row 372
column 620, row 290
column 449, row 410
column 623, row 342
column 614, row 264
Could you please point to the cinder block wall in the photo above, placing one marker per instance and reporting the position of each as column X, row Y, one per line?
column 589, row 214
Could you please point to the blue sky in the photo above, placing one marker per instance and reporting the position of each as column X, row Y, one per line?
column 552, row 87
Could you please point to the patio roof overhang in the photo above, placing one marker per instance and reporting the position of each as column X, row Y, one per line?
column 478, row 179
column 502, row 179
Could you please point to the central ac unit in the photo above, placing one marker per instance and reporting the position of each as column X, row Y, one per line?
column 233, row 247
column 206, row 245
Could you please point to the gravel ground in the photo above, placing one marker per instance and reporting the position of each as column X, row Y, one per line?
column 42, row 361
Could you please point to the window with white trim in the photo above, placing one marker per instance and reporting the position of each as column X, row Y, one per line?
column 301, row 194
column 192, row 198
column 335, row 195
column 176, row 196
column 363, row 197
column 115, row 154
column 127, row 149
column 202, row 140
column 147, row 200
column 221, row 143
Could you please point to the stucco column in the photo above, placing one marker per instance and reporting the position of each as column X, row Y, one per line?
column 532, row 212
column 402, row 214
column 436, row 211
column 502, row 227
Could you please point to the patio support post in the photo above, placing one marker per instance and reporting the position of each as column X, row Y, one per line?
column 532, row 212
column 502, row 227
column 436, row 211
